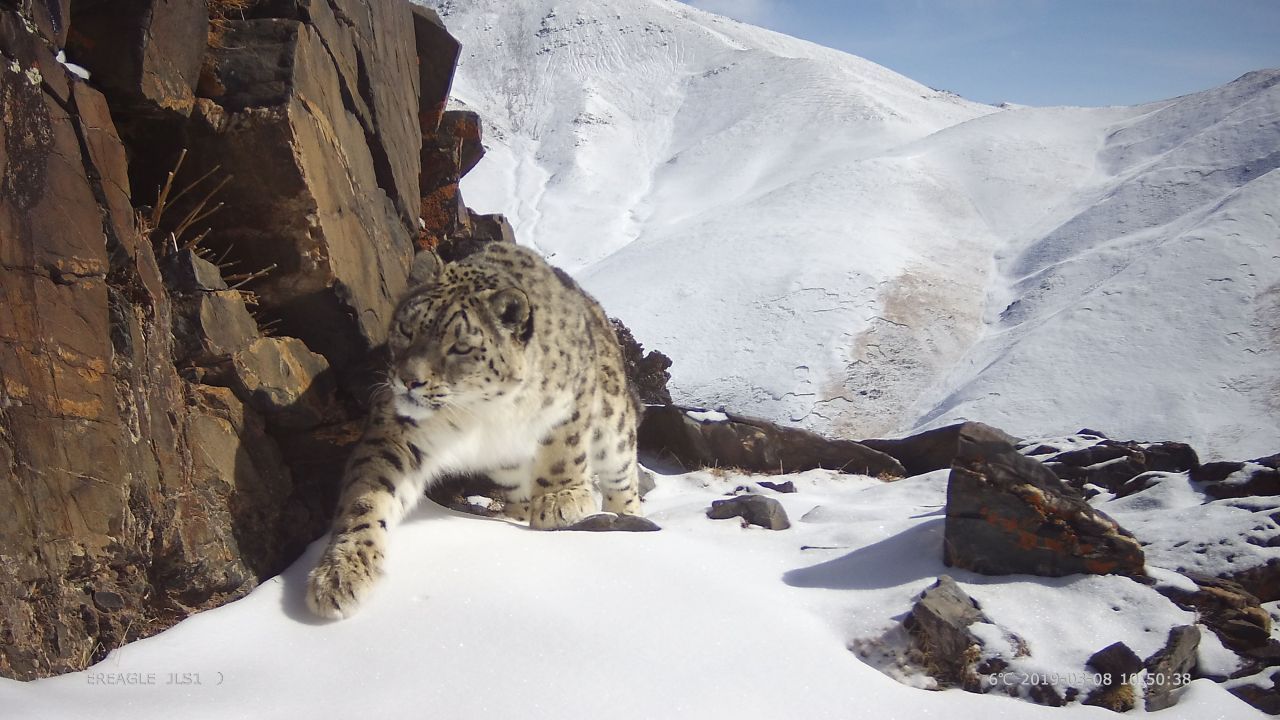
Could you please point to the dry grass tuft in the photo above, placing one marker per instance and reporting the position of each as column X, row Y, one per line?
column 222, row 12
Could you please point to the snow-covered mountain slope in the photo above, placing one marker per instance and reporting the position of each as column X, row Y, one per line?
column 816, row 239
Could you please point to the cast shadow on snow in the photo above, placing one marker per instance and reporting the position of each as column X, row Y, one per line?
column 911, row 555
column 293, row 594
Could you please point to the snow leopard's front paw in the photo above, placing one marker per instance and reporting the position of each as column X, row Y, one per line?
column 342, row 579
column 562, row 508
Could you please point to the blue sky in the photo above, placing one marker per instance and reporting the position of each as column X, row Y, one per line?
column 1039, row 52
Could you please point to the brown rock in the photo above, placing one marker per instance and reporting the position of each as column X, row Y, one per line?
column 669, row 434
column 1262, row 581
column 134, row 496
column 145, row 54
column 211, row 326
column 1114, row 662
column 1007, row 513
column 93, row 417
column 1248, row 479
column 464, row 129
column 437, row 59
column 290, row 385
column 226, row 534
column 1227, row 608
column 1265, row 699
column 50, row 17
column 331, row 227
column 607, row 522
column 186, row 272
column 492, row 228
column 34, row 51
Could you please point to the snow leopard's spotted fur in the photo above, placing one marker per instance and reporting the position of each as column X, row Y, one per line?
column 501, row 365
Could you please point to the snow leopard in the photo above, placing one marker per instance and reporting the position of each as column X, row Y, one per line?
column 502, row 365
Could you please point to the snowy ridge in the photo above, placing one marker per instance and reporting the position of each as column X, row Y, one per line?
column 818, row 240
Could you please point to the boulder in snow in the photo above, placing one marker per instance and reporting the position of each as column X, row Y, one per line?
column 608, row 522
column 1007, row 513
column 1170, row 668
column 1112, row 464
column 1227, row 608
column 1114, row 662
column 753, row 509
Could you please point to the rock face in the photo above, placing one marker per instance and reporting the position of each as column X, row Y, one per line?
column 146, row 54
column 325, row 189
column 1007, row 513
column 692, row 439
column 175, row 405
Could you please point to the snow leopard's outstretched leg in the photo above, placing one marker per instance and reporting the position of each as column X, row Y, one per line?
column 384, row 479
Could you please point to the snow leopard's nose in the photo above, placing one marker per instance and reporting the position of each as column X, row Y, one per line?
column 415, row 384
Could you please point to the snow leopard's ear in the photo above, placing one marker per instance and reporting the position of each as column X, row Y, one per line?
column 511, row 308
column 425, row 268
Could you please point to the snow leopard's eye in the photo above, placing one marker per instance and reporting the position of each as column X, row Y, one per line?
column 405, row 329
column 460, row 349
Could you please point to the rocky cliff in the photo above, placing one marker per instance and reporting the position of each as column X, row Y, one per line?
column 200, row 246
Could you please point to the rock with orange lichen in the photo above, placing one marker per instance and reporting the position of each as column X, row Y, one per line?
column 1009, row 514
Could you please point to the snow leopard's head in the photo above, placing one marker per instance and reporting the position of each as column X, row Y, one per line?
column 458, row 338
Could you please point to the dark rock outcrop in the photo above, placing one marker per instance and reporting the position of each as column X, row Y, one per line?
column 1265, row 699
column 1112, row 464
column 170, row 436
column 1007, row 513
column 437, row 58
column 134, row 496
column 756, row 510
column 670, row 435
column 927, row 451
column 1259, row 477
column 285, row 382
column 647, row 371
